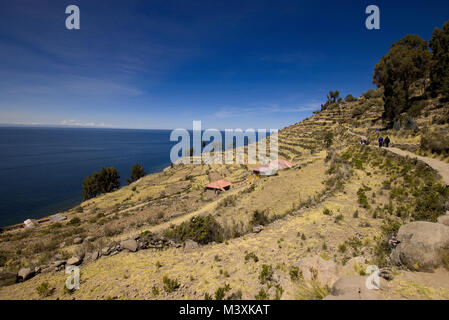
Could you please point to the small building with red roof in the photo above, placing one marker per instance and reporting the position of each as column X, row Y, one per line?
column 219, row 185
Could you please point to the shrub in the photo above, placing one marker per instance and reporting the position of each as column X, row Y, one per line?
column 137, row 172
column 107, row 180
column 327, row 212
column 266, row 273
column 311, row 290
column 260, row 218
column 44, row 290
column 350, row 98
column 294, row 273
column 170, row 285
column 221, row 292
column 251, row 255
column 75, row 221
column 262, row 295
column 199, row 229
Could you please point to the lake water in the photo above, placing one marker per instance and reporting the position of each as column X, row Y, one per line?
column 42, row 169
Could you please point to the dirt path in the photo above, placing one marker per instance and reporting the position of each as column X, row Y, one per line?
column 438, row 165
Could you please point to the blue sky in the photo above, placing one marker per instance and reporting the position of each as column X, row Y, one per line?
column 163, row 64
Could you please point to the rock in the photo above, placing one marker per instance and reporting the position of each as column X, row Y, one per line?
column 354, row 266
column 421, row 246
column 257, row 229
column 89, row 238
column 190, row 244
column 105, row 251
column 325, row 271
column 7, row 278
column 58, row 263
column 74, row 261
column 352, row 287
column 386, row 274
column 94, row 255
column 62, row 245
column 25, row 273
column 130, row 245
column 77, row 240
column 444, row 220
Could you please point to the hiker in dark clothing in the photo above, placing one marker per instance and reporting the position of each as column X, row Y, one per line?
column 381, row 142
column 387, row 142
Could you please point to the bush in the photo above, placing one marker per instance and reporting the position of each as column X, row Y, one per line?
column 350, row 98
column 199, row 229
column 221, row 292
column 262, row 295
column 251, row 255
column 137, row 172
column 107, row 180
column 170, row 285
column 44, row 290
column 266, row 273
column 260, row 218
column 435, row 141
column 75, row 221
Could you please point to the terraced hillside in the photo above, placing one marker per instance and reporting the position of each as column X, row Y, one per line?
column 288, row 236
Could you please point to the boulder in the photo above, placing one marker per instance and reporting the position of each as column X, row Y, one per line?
column 422, row 246
column 352, row 287
column 325, row 271
column 105, row 251
column 25, row 273
column 130, row 245
column 190, row 244
column 89, row 238
column 94, row 255
column 354, row 266
column 74, row 261
column 444, row 220
column 58, row 263
column 7, row 278
column 77, row 240
column 257, row 229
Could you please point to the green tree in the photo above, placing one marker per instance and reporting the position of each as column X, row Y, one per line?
column 137, row 172
column 90, row 187
column 407, row 61
column 350, row 98
column 107, row 180
column 440, row 63
column 332, row 98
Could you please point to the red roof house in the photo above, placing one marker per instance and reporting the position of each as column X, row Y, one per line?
column 221, row 185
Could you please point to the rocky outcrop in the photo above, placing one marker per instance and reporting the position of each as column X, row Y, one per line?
column 444, row 220
column 190, row 244
column 77, row 240
column 257, row 229
column 422, row 246
column 7, row 278
column 352, row 287
column 130, row 245
column 25, row 274
column 315, row 267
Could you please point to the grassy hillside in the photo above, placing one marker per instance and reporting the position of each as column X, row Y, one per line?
column 341, row 202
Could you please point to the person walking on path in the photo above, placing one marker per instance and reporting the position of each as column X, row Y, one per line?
column 381, row 141
column 387, row 142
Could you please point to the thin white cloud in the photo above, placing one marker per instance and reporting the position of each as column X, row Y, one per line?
column 76, row 123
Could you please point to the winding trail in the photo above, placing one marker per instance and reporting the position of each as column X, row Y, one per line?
column 438, row 165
